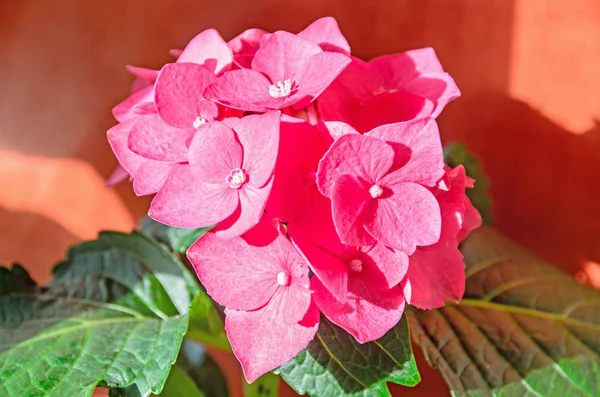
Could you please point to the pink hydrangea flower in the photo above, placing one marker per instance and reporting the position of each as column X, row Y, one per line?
column 377, row 184
column 148, row 175
column 355, row 287
column 324, row 32
column 228, row 178
column 207, row 49
column 301, row 146
column 436, row 273
column 265, row 288
column 375, row 302
column 389, row 89
column 286, row 70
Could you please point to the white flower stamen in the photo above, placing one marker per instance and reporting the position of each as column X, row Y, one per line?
column 236, row 178
column 283, row 278
column 199, row 122
column 375, row 191
column 281, row 89
column 356, row 265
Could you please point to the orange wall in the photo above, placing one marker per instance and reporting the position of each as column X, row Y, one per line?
column 527, row 68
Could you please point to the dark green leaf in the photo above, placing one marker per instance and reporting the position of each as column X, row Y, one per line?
column 204, row 371
column 455, row 154
column 155, row 230
column 114, row 315
column 180, row 384
column 265, row 386
column 524, row 328
column 334, row 364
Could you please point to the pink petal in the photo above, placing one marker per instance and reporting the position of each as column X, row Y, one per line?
column 326, row 33
column 263, row 234
column 152, row 138
column 187, row 201
column 435, row 275
column 242, row 89
column 327, row 267
column 364, row 157
column 125, row 110
column 252, row 207
column 300, row 149
column 419, row 156
column 243, row 61
column 405, row 219
column 330, row 131
column 149, row 75
column 210, row 48
column 297, row 296
column 317, row 74
column 175, row 53
column 179, row 93
column 259, row 136
column 234, row 273
column 118, row 175
column 472, row 220
column 149, row 176
column 248, row 42
column 214, row 153
column 383, row 267
column 367, row 315
column 396, row 70
column 282, row 55
column 440, row 88
column 261, row 341
column 349, row 198
column 389, row 108
column 315, row 236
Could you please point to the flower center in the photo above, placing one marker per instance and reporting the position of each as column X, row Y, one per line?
column 236, row 178
column 356, row 265
column 283, row 278
column 281, row 89
column 375, row 191
column 199, row 122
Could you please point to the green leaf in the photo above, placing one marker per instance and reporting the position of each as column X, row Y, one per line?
column 206, row 325
column 455, row 154
column 265, row 386
column 181, row 239
column 334, row 364
column 180, row 384
column 114, row 315
column 204, row 371
column 178, row 239
column 524, row 327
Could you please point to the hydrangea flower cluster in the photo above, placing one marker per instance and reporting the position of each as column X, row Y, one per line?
column 323, row 174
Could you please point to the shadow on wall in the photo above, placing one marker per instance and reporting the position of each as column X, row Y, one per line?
column 32, row 240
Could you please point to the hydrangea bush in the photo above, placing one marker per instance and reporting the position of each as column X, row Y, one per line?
column 308, row 191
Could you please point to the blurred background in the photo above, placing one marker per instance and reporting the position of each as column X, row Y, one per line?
column 530, row 109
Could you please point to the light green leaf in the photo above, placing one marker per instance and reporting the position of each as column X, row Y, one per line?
column 206, row 325
column 180, row 384
column 265, row 386
column 181, row 239
column 334, row 364
column 524, row 327
column 114, row 315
